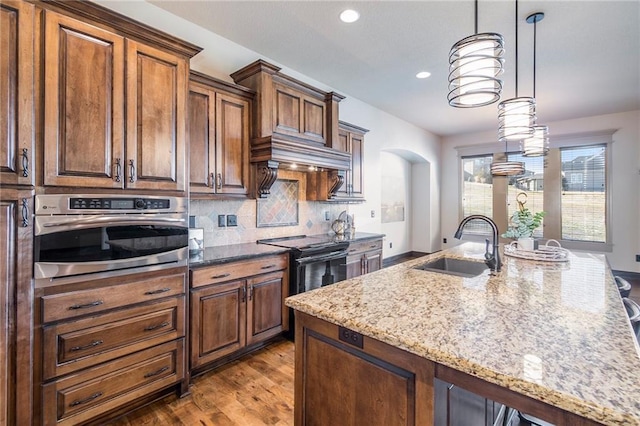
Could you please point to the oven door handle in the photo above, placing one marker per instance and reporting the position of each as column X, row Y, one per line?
column 321, row 258
column 98, row 220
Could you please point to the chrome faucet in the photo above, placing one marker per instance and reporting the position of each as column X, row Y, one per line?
column 491, row 259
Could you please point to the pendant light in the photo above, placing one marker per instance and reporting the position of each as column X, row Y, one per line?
column 538, row 144
column 516, row 116
column 475, row 62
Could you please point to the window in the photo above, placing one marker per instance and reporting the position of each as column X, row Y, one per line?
column 570, row 184
column 583, row 202
column 477, row 191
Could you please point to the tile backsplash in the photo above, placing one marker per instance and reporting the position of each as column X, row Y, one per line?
column 311, row 217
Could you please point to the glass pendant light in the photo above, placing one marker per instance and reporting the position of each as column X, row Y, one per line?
column 516, row 116
column 538, row 144
column 475, row 62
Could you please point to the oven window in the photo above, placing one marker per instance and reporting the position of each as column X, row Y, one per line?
column 108, row 243
column 320, row 274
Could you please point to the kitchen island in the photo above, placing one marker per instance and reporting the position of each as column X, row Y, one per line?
column 549, row 339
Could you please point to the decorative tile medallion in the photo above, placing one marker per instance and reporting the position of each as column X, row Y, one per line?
column 280, row 208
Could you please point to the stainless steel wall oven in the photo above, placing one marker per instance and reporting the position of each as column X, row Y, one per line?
column 97, row 234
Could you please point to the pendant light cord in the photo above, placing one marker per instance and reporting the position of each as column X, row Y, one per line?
column 476, row 18
column 535, row 25
column 516, row 48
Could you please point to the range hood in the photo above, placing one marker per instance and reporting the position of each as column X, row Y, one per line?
column 292, row 124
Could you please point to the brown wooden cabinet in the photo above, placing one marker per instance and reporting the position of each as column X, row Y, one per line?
column 17, row 101
column 351, row 140
column 93, row 75
column 16, row 312
column 370, row 382
column 364, row 257
column 237, row 305
column 218, row 137
column 106, row 343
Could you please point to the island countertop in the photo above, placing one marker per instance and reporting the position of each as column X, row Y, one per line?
column 556, row 332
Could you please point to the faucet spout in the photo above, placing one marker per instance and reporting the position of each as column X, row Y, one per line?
column 491, row 259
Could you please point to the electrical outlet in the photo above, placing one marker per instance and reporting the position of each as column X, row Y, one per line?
column 444, row 241
column 222, row 221
column 326, row 215
column 232, row 220
column 637, row 257
column 373, row 213
column 390, row 245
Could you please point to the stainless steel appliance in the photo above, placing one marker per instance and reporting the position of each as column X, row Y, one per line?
column 98, row 234
column 315, row 261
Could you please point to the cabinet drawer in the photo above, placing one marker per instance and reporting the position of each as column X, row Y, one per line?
column 82, row 396
column 75, row 303
column 362, row 246
column 90, row 341
column 238, row 270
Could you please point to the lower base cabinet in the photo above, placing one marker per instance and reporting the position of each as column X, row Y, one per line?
column 236, row 305
column 370, row 383
column 364, row 257
column 108, row 343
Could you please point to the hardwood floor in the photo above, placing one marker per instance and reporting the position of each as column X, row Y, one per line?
column 257, row 389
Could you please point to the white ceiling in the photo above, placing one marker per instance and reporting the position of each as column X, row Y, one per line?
column 588, row 55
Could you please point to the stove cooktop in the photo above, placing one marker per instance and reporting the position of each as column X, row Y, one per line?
column 302, row 242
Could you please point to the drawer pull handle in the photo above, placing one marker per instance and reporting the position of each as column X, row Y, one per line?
column 373, row 246
column 90, row 345
column 162, row 290
column 155, row 373
column 352, row 250
column 86, row 305
column 87, row 399
column 268, row 266
column 154, row 327
column 216, row 277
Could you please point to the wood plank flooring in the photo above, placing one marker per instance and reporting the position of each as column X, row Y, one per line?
column 257, row 389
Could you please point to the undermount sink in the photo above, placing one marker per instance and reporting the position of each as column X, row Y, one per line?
column 454, row 266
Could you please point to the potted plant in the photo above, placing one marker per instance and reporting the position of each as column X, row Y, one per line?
column 522, row 224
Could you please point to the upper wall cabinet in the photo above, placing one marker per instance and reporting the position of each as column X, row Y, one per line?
column 292, row 123
column 94, row 75
column 218, row 137
column 17, row 129
column 351, row 140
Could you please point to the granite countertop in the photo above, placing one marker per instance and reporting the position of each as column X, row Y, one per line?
column 557, row 332
column 232, row 252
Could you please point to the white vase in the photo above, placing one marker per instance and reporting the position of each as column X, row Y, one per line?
column 525, row 243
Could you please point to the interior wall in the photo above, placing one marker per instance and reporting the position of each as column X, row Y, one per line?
column 220, row 57
column 420, row 210
column 396, row 179
column 623, row 186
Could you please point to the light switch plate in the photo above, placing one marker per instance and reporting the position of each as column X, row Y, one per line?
column 232, row 220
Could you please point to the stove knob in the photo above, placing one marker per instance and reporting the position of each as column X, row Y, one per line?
column 139, row 204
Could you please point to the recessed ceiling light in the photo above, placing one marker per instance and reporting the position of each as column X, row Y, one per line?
column 423, row 74
column 349, row 16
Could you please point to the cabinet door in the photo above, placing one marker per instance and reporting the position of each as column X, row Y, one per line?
column 356, row 183
column 298, row 114
column 17, row 132
column 218, row 321
column 265, row 306
column 83, row 105
column 343, row 145
column 16, row 301
column 354, row 266
column 202, row 124
column 373, row 261
column 232, row 144
column 156, row 118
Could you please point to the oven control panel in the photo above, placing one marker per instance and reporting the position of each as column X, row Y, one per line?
column 118, row 203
